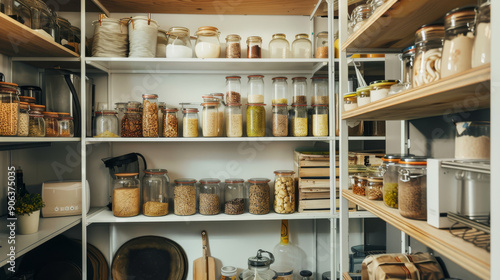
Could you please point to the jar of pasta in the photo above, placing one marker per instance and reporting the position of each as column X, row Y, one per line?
column 428, row 49
column 150, row 115
column 299, row 120
column 320, row 120
column 284, row 192
column 190, row 122
column 256, row 120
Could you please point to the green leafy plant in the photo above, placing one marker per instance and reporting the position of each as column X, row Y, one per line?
column 29, row 203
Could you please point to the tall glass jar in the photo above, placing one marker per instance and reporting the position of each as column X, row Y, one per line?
column 255, row 89
column 254, row 47
column 279, row 46
column 161, row 109
column 185, row 197
column 322, row 45
column 233, row 46
column 320, row 120
column 302, row 46
column 412, row 187
column 389, row 170
column 233, row 89
column 482, row 44
column 280, row 120
column 407, row 58
column 179, row 43
column 210, row 122
column 155, row 192
column 428, row 50
column 221, row 109
column 51, row 124
column 284, row 192
column 131, row 124
column 207, row 43
column 66, row 126
column 458, row 42
column 121, row 109
column 36, row 125
column 23, row 126
column 259, row 196
column 170, row 122
column 256, row 120
column 126, row 195
column 320, row 91
column 234, row 120
column 21, row 12
column 209, row 202
column 234, row 196
column 299, row 120
column 280, row 88
column 299, row 85
column 9, row 109
column 106, row 124
column 190, row 122
column 150, row 115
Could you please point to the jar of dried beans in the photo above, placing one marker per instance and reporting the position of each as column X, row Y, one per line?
column 170, row 122
column 280, row 88
column 233, row 46
column 9, row 109
column 284, row 192
column 190, row 122
column 234, row 120
column 279, row 46
column 428, row 49
column 299, row 120
column 106, row 124
column 131, row 124
column 150, row 115
column 51, row 124
column 234, row 196
column 302, row 46
column 299, row 85
column 233, row 89
column 412, row 185
column 126, row 195
column 256, row 120
column 258, row 196
column 209, row 202
column 185, row 197
column 280, row 120
column 155, row 192
column 320, row 120
column 374, row 188
column 210, row 122
column 23, row 128
column 254, row 47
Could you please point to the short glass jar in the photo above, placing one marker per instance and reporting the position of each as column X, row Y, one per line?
column 234, row 120
column 374, row 188
column 150, row 115
column 350, row 101
column 407, row 58
column 255, row 89
column 472, row 140
column 279, row 46
column 24, row 119
column 360, row 187
column 209, row 202
column 234, row 196
column 280, row 120
column 363, row 95
column 106, row 124
column 259, row 195
column 210, row 122
column 280, row 88
column 170, row 122
column 207, row 42
column 299, row 120
column 412, row 187
column 320, row 91
column 284, row 192
column 299, row 85
column 320, row 120
column 322, row 45
column 254, row 47
column 9, row 109
column 179, row 43
column 389, row 170
column 131, row 123
column 428, row 50
column 36, row 125
column 51, row 124
column 481, row 50
column 66, row 126
column 233, row 46
column 233, row 89
column 184, row 197
column 126, row 195
column 302, row 46
column 190, row 122
column 380, row 89
column 155, row 192
column 256, row 120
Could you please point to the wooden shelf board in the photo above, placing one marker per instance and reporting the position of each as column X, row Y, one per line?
column 393, row 25
column 470, row 257
column 19, row 40
column 346, row 276
column 465, row 91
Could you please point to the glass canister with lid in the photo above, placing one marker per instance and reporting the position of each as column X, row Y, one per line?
column 66, row 125
column 9, row 109
column 258, row 267
column 302, row 46
column 284, row 191
column 320, row 120
column 184, row 196
column 170, row 122
column 190, row 122
column 233, row 89
column 131, row 123
column 363, row 95
column 299, row 120
column 279, row 46
column 207, row 42
column 23, row 126
column 280, row 88
column 407, row 58
column 389, row 170
column 155, row 192
column 209, row 202
column 380, row 89
column 320, row 91
column 36, row 122
column 150, row 115
column 126, row 195
column 51, row 124
column 412, row 187
column 280, row 120
column 234, row 120
column 210, row 122
column 374, row 188
column 233, row 46
column 179, row 43
column 256, row 120
column 359, row 15
column 299, row 85
column 234, row 196
column 482, row 43
column 258, row 194
column 472, row 140
column 428, row 50
column 106, row 124
column 254, row 47
column 255, row 89
column 350, row 101
column 361, row 181
column 322, row 45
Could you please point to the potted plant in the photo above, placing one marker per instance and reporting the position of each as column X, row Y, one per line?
column 28, row 213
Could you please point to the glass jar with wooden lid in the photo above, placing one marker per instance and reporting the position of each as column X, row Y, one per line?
column 207, row 42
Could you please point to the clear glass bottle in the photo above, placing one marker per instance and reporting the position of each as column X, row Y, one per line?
column 233, row 46
column 179, row 43
column 155, row 192
column 126, row 195
column 428, row 50
column 106, row 124
column 284, row 191
column 256, row 120
column 210, row 201
column 299, row 120
column 233, row 89
column 374, row 188
column 320, row 120
column 170, row 122
column 279, row 46
column 280, row 120
column 131, row 124
column 9, row 108
column 320, row 91
column 302, row 46
column 481, row 50
column 389, row 170
column 322, row 45
column 66, row 126
column 280, row 88
column 36, row 125
column 255, row 89
column 23, row 125
column 150, row 115
column 258, row 194
column 287, row 255
column 234, row 120
column 210, row 122
column 254, row 47
column 51, row 124
column 207, row 42
column 299, row 85
column 234, row 196
column 412, row 187
column 190, row 122
column 185, row 197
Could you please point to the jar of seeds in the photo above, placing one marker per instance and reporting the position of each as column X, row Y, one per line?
column 210, row 196
column 258, row 196
column 184, row 197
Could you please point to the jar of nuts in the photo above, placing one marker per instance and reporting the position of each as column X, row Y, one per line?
column 131, row 124
column 155, row 192
column 284, row 192
column 374, row 188
column 258, row 194
column 9, row 109
column 234, row 196
column 51, row 124
column 23, row 129
column 170, row 122
column 209, row 202
column 184, row 197
column 126, row 195
column 150, row 115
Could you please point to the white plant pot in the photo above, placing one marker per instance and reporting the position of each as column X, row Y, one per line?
column 28, row 224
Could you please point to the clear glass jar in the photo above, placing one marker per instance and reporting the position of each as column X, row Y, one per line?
column 9, row 109
column 255, row 89
column 374, row 188
column 210, row 122
column 51, row 124
column 299, row 120
column 185, row 197
column 299, row 85
column 363, row 95
column 221, row 109
column 234, row 196
column 170, row 122
column 428, row 50
column 66, row 126
column 179, row 43
column 228, row 273
column 322, row 45
column 36, row 125
column 121, row 109
column 155, row 192
column 279, row 46
column 472, row 140
column 412, row 187
column 254, row 47
column 150, row 115
column 23, row 125
column 482, row 43
column 161, row 43
column 320, row 91
column 360, row 187
column 280, row 88
column 360, row 14
column 161, row 109
column 355, row 128
column 209, row 202
column 258, row 267
column 259, row 196
column 302, row 46
column 131, row 124
column 233, row 89
column 320, row 120
column 407, row 58
column 378, row 128
column 233, row 46
column 374, row 4
column 256, row 120
column 207, row 43
column 65, row 33
column 350, row 101
column 284, row 192
column 234, row 120
column 106, row 124
column 280, row 120
column 380, row 89
column 389, row 170
column 190, row 122
column 126, row 195
column 75, row 45
column 21, row 12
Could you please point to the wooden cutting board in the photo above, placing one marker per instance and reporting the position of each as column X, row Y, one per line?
column 204, row 267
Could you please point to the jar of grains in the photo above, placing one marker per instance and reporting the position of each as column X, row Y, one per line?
column 207, row 42
column 209, row 202
column 350, row 101
column 428, row 49
column 170, row 122
column 161, row 110
column 9, row 109
column 37, row 125
column 155, row 192
column 390, row 174
column 179, row 43
column 299, row 85
column 51, row 124
column 184, row 197
column 363, row 95
column 106, row 124
column 210, row 122
column 150, row 115
column 380, row 89
column 234, row 120
column 360, row 187
column 302, row 46
column 66, row 126
column 256, row 120
column 190, row 122
column 254, row 47
column 322, row 45
column 126, row 195
column 320, row 91
column 24, row 118
column 234, row 196
column 280, row 120
column 233, row 89
column 259, row 196
column 220, row 109
column 279, row 46
column 233, row 46
column 255, row 89
column 131, row 125
column 412, row 184
column 374, row 188
column 482, row 43
column 320, row 120
column 299, row 120
column 458, row 41
column 280, row 88
column 284, row 192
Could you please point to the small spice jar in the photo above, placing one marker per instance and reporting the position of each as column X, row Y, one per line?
column 233, row 89
column 360, row 187
column 131, row 124
column 322, row 45
column 9, row 109
column 374, row 188
column 170, row 122
column 51, row 124
column 284, row 192
column 24, row 118
column 106, row 124
column 255, row 89
column 233, row 46
column 428, row 50
column 481, row 50
column 210, row 122
column 412, row 187
column 254, row 47
column 280, row 88
column 299, row 120
column 259, row 196
column 299, row 85
column 36, row 124
column 234, row 120
column 256, row 120
column 126, row 195
column 207, row 42
column 363, row 95
column 320, row 120
column 380, row 89
column 150, row 115
column 155, row 192
column 350, row 101
column 234, row 196
column 184, row 197
column 320, row 91
column 209, row 202
column 66, row 125
column 302, row 46
column 179, row 43
column 190, row 122
column 389, row 170
column 279, row 46
column 280, row 120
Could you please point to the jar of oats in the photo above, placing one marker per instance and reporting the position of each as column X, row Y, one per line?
column 185, row 197
column 150, row 115
column 284, row 192
column 190, row 123
column 155, row 192
column 209, row 202
column 9, row 109
column 126, row 195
